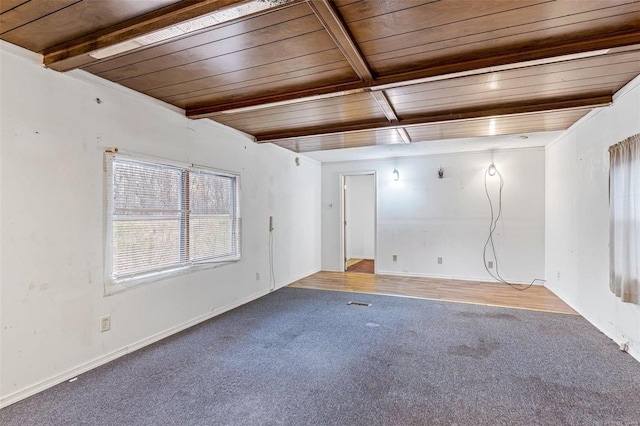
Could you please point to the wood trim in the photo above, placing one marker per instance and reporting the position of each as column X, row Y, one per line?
column 385, row 106
column 404, row 135
column 629, row 40
column 75, row 54
column 591, row 44
column 332, row 22
column 390, row 113
column 472, row 114
column 289, row 98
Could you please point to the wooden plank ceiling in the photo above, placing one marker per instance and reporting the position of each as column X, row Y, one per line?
column 317, row 74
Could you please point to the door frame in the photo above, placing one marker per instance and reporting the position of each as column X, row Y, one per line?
column 343, row 217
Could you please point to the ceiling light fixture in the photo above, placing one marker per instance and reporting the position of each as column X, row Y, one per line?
column 193, row 25
column 491, row 171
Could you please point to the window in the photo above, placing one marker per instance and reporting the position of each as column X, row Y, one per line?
column 167, row 218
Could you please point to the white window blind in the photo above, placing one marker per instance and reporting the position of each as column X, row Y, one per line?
column 212, row 219
column 167, row 217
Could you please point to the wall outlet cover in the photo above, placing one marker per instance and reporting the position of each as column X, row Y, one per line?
column 105, row 323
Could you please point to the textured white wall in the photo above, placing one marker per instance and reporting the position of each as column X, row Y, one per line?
column 577, row 211
column 421, row 217
column 54, row 134
column 361, row 213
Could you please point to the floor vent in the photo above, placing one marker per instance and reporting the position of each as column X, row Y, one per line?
column 359, row 304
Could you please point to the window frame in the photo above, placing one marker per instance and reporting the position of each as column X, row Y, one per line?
column 116, row 284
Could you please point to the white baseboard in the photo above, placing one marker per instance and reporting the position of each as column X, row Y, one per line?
column 634, row 352
column 83, row 368
column 611, row 334
column 299, row 277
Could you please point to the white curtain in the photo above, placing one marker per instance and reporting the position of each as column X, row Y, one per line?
column 624, row 216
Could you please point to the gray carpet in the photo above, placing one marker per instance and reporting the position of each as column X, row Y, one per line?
column 304, row 357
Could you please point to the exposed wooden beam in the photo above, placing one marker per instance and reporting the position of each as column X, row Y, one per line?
column 75, row 54
column 598, row 45
column 332, row 22
column 456, row 68
column 471, row 114
column 293, row 97
column 404, row 134
column 384, row 104
column 390, row 113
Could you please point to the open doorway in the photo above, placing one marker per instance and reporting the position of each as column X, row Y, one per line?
column 359, row 213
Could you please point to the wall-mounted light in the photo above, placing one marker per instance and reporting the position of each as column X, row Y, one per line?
column 440, row 173
column 492, row 170
column 396, row 174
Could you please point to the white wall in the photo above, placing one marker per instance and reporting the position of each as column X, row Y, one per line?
column 421, row 217
column 54, row 134
column 361, row 214
column 577, row 211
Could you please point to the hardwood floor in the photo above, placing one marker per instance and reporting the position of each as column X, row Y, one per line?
column 365, row 266
column 536, row 298
column 353, row 261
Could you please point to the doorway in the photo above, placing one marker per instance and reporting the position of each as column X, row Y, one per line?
column 359, row 214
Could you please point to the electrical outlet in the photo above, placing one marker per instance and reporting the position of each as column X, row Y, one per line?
column 395, row 257
column 558, row 275
column 490, row 264
column 257, row 276
column 105, row 323
column 439, row 260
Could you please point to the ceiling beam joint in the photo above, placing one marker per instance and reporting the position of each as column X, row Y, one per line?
column 385, row 105
column 404, row 135
column 338, row 31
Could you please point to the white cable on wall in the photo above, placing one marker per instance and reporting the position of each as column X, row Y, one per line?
column 272, row 276
column 489, row 244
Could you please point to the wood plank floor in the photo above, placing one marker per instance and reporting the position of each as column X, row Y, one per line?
column 353, row 261
column 536, row 298
column 365, row 266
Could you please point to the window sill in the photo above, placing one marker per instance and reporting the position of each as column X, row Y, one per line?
column 118, row 286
